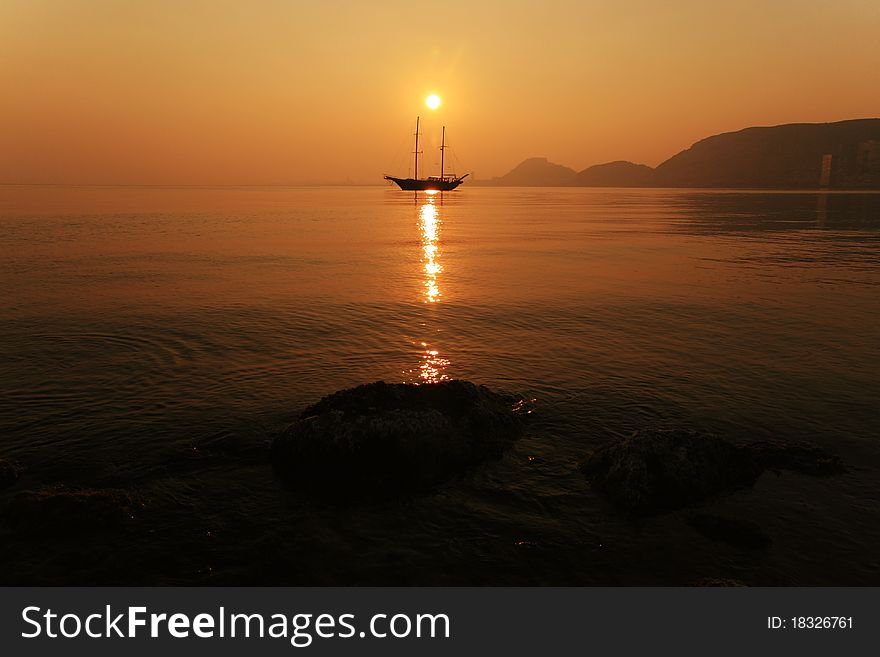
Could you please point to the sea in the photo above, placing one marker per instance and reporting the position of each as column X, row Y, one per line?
column 154, row 340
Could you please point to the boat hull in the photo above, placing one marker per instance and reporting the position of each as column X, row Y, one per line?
column 425, row 184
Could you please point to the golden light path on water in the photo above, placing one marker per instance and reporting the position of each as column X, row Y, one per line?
column 433, row 366
column 430, row 228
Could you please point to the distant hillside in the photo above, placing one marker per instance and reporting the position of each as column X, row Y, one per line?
column 615, row 174
column 536, row 172
column 844, row 155
column 786, row 156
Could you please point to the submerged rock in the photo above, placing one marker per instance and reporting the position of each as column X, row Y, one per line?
column 733, row 531
column 660, row 470
column 380, row 439
column 62, row 510
column 8, row 474
column 803, row 458
column 657, row 470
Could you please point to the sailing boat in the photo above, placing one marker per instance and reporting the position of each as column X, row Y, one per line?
column 443, row 182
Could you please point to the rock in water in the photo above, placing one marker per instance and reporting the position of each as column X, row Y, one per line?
column 802, row 458
column 8, row 474
column 380, row 439
column 659, row 470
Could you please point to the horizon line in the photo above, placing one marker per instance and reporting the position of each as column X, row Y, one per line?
column 189, row 185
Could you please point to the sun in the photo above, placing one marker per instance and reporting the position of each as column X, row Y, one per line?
column 433, row 101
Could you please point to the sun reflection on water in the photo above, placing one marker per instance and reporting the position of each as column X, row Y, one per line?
column 432, row 366
column 429, row 225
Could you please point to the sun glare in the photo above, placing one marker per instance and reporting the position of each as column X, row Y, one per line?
column 433, row 101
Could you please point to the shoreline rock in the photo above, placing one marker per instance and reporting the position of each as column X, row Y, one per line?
column 658, row 470
column 654, row 471
column 803, row 458
column 382, row 440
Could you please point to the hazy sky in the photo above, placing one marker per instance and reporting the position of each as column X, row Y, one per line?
column 277, row 92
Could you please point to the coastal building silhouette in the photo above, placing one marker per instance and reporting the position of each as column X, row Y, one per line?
column 853, row 165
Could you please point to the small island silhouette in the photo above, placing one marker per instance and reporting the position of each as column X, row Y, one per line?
column 841, row 155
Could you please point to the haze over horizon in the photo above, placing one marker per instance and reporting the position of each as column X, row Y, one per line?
column 280, row 93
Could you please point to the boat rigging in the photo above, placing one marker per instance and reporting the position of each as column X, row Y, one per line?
column 443, row 182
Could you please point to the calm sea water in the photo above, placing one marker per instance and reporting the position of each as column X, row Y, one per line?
column 154, row 338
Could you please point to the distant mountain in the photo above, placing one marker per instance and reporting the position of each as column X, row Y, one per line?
column 615, row 174
column 786, row 156
column 535, row 172
column 843, row 155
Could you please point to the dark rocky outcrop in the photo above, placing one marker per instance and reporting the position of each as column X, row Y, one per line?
column 733, row 531
column 8, row 474
column 802, row 458
column 384, row 440
column 615, row 174
column 69, row 511
column 659, row 470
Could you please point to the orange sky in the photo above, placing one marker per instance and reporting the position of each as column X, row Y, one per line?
column 289, row 92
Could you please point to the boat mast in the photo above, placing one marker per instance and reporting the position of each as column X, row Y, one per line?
column 416, row 168
column 442, row 151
